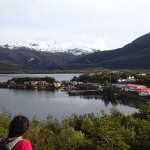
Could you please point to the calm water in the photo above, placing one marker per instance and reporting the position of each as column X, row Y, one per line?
column 58, row 103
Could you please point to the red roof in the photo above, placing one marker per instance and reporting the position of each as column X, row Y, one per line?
column 135, row 85
column 145, row 89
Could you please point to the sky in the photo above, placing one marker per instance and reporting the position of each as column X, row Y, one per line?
column 102, row 24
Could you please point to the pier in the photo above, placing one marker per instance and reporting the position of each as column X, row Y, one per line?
column 83, row 92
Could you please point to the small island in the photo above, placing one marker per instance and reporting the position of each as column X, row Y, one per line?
column 39, row 83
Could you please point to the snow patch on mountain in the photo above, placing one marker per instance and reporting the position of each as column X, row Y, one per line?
column 32, row 59
column 51, row 46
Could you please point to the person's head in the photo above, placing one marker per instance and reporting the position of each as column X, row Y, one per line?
column 18, row 126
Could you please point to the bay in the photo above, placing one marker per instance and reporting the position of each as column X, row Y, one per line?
column 58, row 103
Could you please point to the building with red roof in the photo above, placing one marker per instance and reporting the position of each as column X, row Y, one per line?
column 133, row 87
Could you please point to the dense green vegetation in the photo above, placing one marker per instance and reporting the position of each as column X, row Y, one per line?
column 114, row 131
column 112, row 77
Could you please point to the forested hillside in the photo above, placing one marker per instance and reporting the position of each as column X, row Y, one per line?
column 132, row 56
column 23, row 58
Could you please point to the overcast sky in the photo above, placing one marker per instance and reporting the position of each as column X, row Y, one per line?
column 104, row 24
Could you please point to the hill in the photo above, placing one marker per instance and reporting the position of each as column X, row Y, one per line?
column 38, row 55
column 23, row 58
column 134, row 55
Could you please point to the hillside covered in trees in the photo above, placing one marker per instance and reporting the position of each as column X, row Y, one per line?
column 23, row 59
column 134, row 55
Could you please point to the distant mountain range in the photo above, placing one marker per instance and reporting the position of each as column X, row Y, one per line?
column 38, row 55
column 50, row 46
column 49, row 55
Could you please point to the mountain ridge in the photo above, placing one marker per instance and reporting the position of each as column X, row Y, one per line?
column 134, row 55
column 49, row 46
column 32, row 59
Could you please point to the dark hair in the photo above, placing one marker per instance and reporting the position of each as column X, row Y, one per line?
column 18, row 126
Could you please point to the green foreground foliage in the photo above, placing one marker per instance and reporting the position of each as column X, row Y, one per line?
column 114, row 131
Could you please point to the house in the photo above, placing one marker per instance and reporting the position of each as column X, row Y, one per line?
column 26, row 83
column 142, row 74
column 144, row 91
column 118, row 85
column 121, row 80
column 74, row 82
column 129, row 79
column 33, row 83
column 57, row 84
column 132, row 87
column 42, row 83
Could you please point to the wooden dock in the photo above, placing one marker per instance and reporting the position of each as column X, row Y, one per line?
column 83, row 92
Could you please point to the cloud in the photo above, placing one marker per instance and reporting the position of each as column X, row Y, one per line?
column 100, row 43
column 85, row 41
column 103, row 23
column 82, row 37
column 66, row 45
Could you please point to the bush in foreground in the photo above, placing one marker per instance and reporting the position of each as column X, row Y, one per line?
column 115, row 131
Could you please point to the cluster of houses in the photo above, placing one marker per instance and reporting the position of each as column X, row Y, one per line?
column 34, row 83
column 80, row 86
column 142, row 90
column 30, row 85
column 129, row 79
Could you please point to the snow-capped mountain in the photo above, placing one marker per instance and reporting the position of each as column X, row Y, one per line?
column 50, row 46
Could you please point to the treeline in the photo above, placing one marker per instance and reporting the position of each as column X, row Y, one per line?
column 114, row 131
column 21, row 80
column 112, row 77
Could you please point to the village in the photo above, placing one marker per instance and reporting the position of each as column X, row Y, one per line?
column 74, row 88
column 141, row 90
column 128, row 85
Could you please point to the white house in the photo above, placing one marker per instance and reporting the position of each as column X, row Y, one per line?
column 33, row 83
column 57, row 84
column 144, row 91
column 129, row 79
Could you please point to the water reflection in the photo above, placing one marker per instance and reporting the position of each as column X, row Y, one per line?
column 58, row 103
column 113, row 101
